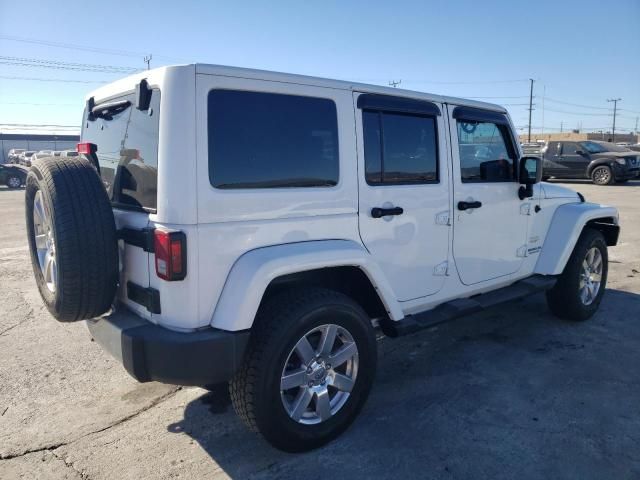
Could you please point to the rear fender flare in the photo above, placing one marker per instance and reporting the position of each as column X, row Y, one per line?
column 255, row 270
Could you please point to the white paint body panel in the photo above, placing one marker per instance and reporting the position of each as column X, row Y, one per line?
column 253, row 272
column 240, row 240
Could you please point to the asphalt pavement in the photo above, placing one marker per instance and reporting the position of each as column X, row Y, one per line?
column 509, row 393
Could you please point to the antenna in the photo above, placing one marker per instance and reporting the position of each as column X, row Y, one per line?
column 147, row 60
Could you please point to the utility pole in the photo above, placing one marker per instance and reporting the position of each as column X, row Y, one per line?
column 561, row 127
column 615, row 108
column 636, row 126
column 147, row 60
column 395, row 83
column 530, row 108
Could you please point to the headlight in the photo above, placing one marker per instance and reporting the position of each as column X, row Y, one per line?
column 621, row 161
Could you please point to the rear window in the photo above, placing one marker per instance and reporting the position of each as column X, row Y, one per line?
column 128, row 152
column 267, row 140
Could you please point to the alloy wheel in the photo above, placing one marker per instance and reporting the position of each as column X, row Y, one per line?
column 319, row 374
column 590, row 276
column 45, row 244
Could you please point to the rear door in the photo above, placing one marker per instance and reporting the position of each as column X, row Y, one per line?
column 490, row 222
column 404, row 190
column 127, row 150
column 572, row 163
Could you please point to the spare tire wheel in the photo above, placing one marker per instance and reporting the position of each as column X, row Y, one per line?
column 72, row 238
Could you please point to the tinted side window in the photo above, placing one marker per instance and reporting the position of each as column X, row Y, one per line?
column 267, row 140
column 569, row 148
column 485, row 152
column 128, row 152
column 399, row 148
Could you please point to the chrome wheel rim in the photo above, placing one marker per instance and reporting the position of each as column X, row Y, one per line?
column 591, row 276
column 319, row 374
column 45, row 245
column 602, row 175
column 14, row 182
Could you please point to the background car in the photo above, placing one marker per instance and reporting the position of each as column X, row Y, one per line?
column 14, row 154
column 603, row 162
column 68, row 153
column 12, row 176
column 25, row 158
column 42, row 154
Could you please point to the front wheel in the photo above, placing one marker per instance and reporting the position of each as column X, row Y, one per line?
column 602, row 175
column 14, row 182
column 308, row 371
column 579, row 290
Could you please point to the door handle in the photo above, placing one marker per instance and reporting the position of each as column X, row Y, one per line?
column 378, row 212
column 468, row 205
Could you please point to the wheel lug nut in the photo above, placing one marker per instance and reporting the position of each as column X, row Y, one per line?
column 328, row 366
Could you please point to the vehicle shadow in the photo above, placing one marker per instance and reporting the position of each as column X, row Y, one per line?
column 7, row 189
column 504, row 392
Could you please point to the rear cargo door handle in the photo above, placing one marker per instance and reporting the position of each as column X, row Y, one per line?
column 468, row 205
column 378, row 212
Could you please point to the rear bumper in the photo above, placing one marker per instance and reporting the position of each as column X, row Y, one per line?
column 152, row 353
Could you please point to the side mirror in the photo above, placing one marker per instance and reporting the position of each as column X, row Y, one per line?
column 530, row 173
column 579, row 152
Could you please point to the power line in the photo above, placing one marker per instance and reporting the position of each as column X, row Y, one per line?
column 575, row 104
column 39, row 79
column 40, row 104
column 40, row 63
column 84, row 48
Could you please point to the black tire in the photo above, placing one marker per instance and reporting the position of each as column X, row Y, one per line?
column 83, row 230
column 14, row 181
column 602, row 175
column 564, row 298
column 281, row 322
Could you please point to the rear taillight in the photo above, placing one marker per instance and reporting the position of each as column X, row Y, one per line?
column 170, row 248
column 87, row 148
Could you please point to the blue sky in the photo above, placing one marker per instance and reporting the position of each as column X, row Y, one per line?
column 579, row 52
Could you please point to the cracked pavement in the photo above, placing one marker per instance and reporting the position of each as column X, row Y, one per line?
column 511, row 392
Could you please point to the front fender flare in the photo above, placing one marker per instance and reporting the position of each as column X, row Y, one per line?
column 565, row 229
column 255, row 270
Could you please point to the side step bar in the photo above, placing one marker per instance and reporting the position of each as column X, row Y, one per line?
column 466, row 306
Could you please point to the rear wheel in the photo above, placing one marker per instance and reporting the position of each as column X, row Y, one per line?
column 602, row 175
column 308, row 371
column 579, row 290
column 72, row 238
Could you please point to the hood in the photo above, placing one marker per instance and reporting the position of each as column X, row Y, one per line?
column 614, row 154
column 550, row 190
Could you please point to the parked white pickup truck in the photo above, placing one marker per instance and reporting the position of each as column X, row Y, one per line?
column 225, row 224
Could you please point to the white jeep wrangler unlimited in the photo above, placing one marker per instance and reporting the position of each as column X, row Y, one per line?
column 225, row 224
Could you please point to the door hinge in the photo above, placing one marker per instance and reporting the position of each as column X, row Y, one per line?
column 147, row 297
column 522, row 251
column 443, row 218
column 525, row 209
column 142, row 238
column 441, row 270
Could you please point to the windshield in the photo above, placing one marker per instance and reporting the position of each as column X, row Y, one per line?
column 127, row 141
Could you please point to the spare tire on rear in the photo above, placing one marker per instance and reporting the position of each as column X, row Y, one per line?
column 72, row 238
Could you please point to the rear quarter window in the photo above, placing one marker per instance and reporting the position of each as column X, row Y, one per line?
column 127, row 152
column 268, row 140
